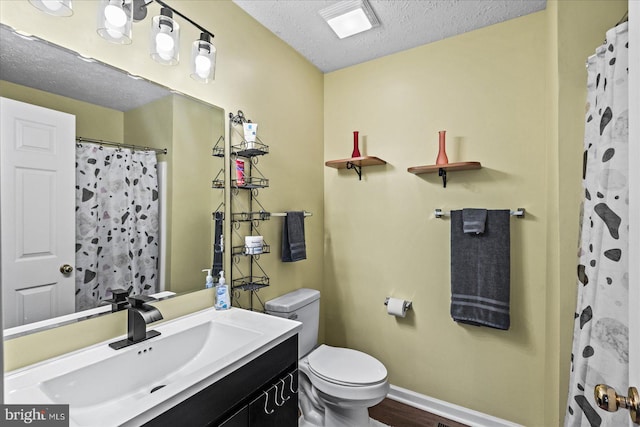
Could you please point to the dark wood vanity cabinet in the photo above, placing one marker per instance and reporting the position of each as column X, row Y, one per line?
column 262, row 393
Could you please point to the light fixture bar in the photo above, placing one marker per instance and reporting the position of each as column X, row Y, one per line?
column 195, row 24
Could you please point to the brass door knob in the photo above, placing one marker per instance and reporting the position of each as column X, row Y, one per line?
column 607, row 399
column 66, row 269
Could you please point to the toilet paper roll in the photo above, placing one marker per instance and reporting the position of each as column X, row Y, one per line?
column 395, row 307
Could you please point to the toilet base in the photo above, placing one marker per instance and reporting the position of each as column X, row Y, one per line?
column 339, row 416
column 370, row 422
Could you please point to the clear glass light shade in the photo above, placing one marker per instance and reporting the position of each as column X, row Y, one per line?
column 165, row 40
column 114, row 21
column 54, row 7
column 203, row 61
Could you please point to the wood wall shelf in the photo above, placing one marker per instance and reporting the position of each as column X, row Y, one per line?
column 442, row 169
column 355, row 163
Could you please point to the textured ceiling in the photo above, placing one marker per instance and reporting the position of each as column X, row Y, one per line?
column 403, row 25
column 47, row 67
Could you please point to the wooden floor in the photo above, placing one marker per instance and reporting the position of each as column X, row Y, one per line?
column 398, row 414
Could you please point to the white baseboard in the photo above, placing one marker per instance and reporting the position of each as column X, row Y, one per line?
column 446, row 409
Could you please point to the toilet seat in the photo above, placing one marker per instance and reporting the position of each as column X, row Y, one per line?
column 346, row 367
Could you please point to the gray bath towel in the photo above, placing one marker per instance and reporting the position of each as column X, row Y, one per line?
column 218, row 249
column 473, row 220
column 293, row 244
column 480, row 270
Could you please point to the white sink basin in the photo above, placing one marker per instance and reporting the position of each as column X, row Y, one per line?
column 127, row 386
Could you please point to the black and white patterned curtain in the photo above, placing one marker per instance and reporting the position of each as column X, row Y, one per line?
column 117, row 228
column 600, row 341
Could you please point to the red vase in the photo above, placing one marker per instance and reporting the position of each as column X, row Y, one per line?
column 442, row 153
column 356, row 151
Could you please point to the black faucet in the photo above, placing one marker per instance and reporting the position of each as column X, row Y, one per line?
column 118, row 299
column 138, row 315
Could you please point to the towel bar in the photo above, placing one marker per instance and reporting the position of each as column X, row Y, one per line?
column 285, row 214
column 519, row 213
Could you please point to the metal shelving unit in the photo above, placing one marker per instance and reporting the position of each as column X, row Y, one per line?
column 246, row 273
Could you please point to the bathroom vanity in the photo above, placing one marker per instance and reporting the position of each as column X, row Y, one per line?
column 262, row 393
column 210, row 368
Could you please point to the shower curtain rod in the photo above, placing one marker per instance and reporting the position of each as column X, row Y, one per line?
column 624, row 18
column 120, row 144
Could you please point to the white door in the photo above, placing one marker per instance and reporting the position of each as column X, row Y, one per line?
column 37, row 212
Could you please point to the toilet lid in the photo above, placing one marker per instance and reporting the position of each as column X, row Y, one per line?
column 346, row 366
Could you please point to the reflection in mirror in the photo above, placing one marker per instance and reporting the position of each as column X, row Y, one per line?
column 109, row 105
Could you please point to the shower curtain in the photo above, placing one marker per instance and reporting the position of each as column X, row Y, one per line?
column 600, row 340
column 117, row 228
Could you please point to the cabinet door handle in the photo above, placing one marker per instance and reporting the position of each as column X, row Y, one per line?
column 266, row 400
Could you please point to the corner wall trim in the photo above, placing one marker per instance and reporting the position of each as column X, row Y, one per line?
column 446, row 409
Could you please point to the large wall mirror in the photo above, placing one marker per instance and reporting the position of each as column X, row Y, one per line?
column 110, row 105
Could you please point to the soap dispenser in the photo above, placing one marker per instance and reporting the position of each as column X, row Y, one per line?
column 222, row 294
column 209, row 281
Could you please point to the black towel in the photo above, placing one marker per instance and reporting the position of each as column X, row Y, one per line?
column 217, row 245
column 293, row 245
column 473, row 220
column 480, row 271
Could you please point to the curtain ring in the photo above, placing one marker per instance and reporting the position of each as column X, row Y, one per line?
column 266, row 400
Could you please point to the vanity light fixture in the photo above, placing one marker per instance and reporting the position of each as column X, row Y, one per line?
column 54, row 7
column 115, row 18
column 165, row 38
column 203, row 59
column 347, row 18
column 114, row 21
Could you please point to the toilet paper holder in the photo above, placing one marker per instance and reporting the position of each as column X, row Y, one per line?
column 406, row 305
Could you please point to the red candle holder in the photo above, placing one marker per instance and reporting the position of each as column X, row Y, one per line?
column 356, row 151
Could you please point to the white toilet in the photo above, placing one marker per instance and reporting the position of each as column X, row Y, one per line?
column 337, row 385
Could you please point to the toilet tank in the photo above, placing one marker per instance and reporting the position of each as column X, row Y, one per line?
column 302, row 305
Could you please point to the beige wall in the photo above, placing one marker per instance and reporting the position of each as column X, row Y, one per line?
column 92, row 121
column 487, row 89
column 195, row 131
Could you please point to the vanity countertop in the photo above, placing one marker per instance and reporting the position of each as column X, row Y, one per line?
column 106, row 387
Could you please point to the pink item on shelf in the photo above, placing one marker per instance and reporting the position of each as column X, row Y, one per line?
column 442, row 154
column 240, row 172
